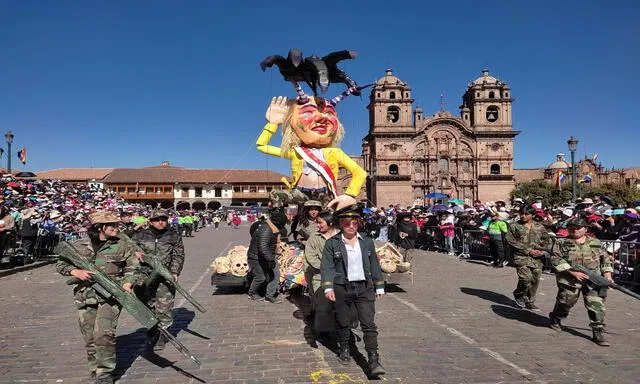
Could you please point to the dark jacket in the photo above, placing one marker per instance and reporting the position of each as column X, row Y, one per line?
column 29, row 228
column 165, row 245
column 333, row 267
column 411, row 229
column 264, row 238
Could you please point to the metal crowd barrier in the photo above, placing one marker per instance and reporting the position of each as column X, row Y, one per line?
column 475, row 244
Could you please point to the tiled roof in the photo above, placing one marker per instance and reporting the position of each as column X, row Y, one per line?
column 524, row 175
column 74, row 174
column 170, row 174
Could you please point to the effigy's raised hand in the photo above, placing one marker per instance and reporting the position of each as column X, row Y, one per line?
column 277, row 111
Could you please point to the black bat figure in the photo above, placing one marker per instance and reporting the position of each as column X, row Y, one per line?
column 313, row 70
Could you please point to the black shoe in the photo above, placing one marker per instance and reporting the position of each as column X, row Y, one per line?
column 555, row 323
column 152, row 338
column 520, row 302
column 274, row 300
column 344, row 355
column 374, row 365
column 598, row 337
column 255, row 297
column 532, row 307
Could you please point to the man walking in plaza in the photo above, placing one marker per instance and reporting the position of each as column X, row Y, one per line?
column 497, row 229
column 164, row 244
column 261, row 256
column 114, row 254
column 529, row 241
column 351, row 276
column 579, row 249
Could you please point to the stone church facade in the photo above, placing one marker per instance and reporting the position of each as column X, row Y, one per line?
column 409, row 155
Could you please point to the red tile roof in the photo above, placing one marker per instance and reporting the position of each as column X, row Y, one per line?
column 74, row 174
column 170, row 175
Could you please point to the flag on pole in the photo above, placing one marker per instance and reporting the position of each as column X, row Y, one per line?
column 560, row 179
column 586, row 178
column 22, row 155
column 595, row 156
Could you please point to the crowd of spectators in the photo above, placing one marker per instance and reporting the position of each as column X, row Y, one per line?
column 36, row 214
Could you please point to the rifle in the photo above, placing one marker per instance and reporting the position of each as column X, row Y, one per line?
column 109, row 289
column 600, row 282
column 162, row 271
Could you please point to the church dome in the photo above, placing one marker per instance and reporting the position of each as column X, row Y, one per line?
column 390, row 79
column 560, row 163
column 486, row 79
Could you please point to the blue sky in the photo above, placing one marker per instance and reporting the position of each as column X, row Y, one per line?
column 133, row 83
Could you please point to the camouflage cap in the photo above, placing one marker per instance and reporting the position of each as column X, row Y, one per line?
column 103, row 217
column 158, row 213
column 312, row 203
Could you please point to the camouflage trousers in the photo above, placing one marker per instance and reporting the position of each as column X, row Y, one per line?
column 528, row 282
column 98, row 326
column 284, row 197
column 160, row 297
column 568, row 297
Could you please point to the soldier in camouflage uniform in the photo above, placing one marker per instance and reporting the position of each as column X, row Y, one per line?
column 162, row 242
column 114, row 254
column 579, row 249
column 529, row 242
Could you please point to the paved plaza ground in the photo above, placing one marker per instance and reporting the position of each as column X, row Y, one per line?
column 454, row 324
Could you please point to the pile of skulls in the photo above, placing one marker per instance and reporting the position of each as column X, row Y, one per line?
column 391, row 260
column 235, row 262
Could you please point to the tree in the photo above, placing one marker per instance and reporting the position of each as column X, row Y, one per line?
column 551, row 195
column 620, row 193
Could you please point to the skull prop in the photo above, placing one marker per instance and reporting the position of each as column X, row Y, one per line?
column 221, row 265
column 238, row 262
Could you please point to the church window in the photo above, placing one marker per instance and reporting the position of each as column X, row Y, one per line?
column 506, row 94
column 393, row 114
column 393, row 169
column 378, row 94
column 492, row 114
column 477, row 94
column 392, row 95
column 495, row 169
column 406, row 94
column 492, row 95
column 443, row 164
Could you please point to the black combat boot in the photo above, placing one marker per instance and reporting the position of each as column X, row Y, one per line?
column 344, row 355
column 598, row 337
column 374, row 364
column 554, row 322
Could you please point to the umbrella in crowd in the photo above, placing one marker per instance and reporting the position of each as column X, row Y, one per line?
column 436, row 195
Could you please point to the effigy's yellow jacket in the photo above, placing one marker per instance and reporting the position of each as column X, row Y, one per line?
column 334, row 157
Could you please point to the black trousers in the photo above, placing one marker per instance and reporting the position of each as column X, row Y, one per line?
column 262, row 275
column 362, row 296
column 498, row 251
column 28, row 244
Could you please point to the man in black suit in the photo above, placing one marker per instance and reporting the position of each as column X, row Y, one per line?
column 351, row 276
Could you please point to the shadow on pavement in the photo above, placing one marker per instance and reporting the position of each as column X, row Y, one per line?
column 495, row 297
column 130, row 347
column 393, row 288
column 522, row 315
column 574, row 331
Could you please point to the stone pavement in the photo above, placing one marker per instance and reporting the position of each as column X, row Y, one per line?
column 454, row 324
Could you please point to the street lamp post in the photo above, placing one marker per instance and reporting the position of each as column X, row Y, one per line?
column 573, row 145
column 9, row 137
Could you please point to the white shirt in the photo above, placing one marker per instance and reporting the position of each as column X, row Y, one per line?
column 355, row 270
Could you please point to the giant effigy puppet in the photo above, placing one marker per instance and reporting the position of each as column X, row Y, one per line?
column 311, row 131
